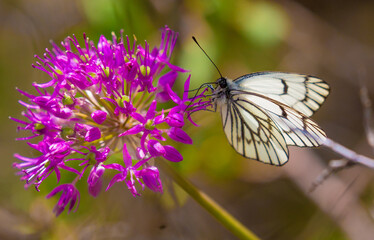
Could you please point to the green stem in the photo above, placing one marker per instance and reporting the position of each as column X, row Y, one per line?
column 225, row 218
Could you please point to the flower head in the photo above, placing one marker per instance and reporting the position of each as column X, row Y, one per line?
column 98, row 99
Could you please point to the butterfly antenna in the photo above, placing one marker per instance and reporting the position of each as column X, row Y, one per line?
column 207, row 56
column 204, row 84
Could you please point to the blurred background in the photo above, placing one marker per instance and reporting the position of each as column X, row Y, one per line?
column 321, row 38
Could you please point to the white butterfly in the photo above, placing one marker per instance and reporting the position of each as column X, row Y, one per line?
column 263, row 113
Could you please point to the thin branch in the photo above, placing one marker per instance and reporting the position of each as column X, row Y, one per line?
column 367, row 110
column 333, row 167
column 348, row 153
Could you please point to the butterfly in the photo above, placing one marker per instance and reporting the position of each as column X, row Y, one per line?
column 265, row 112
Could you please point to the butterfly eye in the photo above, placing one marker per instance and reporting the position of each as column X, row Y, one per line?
column 222, row 82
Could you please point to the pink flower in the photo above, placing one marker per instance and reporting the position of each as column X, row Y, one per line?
column 101, row 98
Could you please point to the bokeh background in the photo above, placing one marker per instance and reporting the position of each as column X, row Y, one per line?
column 330, row 39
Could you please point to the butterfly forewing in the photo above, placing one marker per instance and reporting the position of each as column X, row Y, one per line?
column 302, row 92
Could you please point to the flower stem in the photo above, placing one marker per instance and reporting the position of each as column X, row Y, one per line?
column 225, row 218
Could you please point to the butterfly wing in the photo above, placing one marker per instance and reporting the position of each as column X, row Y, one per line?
column 252, row 133
column 262, row 113
column 260, row 128
column 303, row 93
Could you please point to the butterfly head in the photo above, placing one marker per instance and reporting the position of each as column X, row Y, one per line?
column 222, row 82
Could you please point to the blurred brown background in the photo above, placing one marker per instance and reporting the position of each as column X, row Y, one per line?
column 330, row 39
